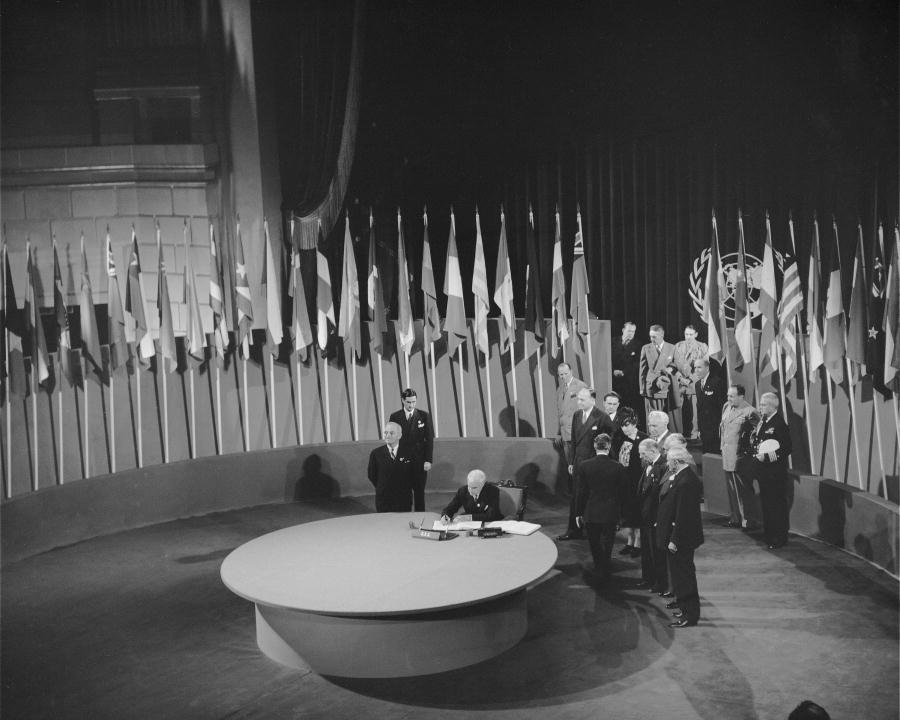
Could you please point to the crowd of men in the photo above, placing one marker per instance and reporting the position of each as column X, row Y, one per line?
column 626, row 469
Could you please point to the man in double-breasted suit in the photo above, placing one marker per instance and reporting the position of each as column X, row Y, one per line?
column 710, row 392
column 679, row 532
column 587, row 423
column 657, row 366
column 390, row 471
column 416, row 443
column 771, row 472
column 686, row 352
column 601, row 483
column 742, row 499
column 625, row 355
column 566, row 407
column 653, row 563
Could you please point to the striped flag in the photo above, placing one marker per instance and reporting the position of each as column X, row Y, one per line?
column 118, row 345
column 857, row 326
column 432, row 316
column 134, row 304
column 37, row 341
column 243, row 298
column 534, row 309
column 480, row 290
column 891, row 323
column 404, row 308
column 503, row 290
column 768, row 342
column 301, row 331
column 217, row 297
column 743, row 333
column 14, row 327
column 164, row 308
column 559, row 321
column 834, row 338
column 714, row 292
column 789, row 308
column 64, row 339
column 90, row 335
column 813, row 307
column 324, row 299
column 455, row 317
column 578, row 302
column 194, row 338
column 271, row 288
column 348, row 325
column 375, row 291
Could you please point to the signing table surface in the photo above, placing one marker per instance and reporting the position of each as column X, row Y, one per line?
column 370, row 565
column 360, row 597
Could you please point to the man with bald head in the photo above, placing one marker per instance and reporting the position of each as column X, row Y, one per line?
column 477, row 498
column 390, row 471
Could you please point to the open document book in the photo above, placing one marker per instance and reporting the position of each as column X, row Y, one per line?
column 513, row 527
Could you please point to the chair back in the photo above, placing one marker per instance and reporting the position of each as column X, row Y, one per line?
column 512, row 501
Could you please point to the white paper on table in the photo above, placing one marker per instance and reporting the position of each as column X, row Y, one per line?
column 514, row 527
column 458, row 525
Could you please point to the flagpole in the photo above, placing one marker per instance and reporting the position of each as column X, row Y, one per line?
column 34, row 418
column 299, row 397
column 590, row 350
column 86, row 470
column 162, row 376
column 434, row 395
column 406, row 366
column 801, row 352
column 515, row 386
column 62, row 474
column 219, row 407
column 490, row 403
column 112, row 416
column 784, row 412
column 272, row 400
column 355, row 401
column 749, row 316
column 140, row 438
column 327, row 401
column 8, row 399
column 877, row 421
column 246, row 352
column 380, row 391
column 462, row 388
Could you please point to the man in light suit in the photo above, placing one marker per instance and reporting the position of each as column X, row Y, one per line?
column 601, row 483
column 657, row 366
column 417, row 442
column 587, row 424
column 741, row 497
column 679, row 532
column 390, row 471
column 771, row 472
column 687, row 351
column 566, row 406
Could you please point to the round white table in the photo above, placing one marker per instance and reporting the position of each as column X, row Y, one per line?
column 360, row 597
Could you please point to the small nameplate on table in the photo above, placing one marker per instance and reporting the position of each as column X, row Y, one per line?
column 424, row 533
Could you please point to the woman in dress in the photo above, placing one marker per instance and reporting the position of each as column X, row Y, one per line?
column 625, row 450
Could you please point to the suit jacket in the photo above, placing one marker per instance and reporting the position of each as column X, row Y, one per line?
column 730, row 432
column 392, row 479
column 583, row 434
column 651, row 481
column 678, row 518
column 417, row 441
column 685, row 354
column 626, row 358
column 567, row 406
column 656, row 363
column 486, row 508
column 601, row 484
column 710, row 399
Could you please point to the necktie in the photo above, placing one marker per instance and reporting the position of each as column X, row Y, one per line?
column 408, row 416
column 393, row 453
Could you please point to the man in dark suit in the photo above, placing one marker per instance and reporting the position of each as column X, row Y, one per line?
column 657, row 365
column 601, row 484
column 710, row 392
column 654, row 572
column 417, row 442
column 625, row 355
column 587, row 423
column 771, row 471
column 679, row 532
column 477, row 498
column 390, row 471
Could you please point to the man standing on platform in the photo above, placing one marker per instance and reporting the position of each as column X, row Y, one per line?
column 566, row 406
column 587, row 424
column 625, row 355
column 417, row 442
column 679, row 532
column 772, row 442
column 390, row 471
column 601, row 485
column 710, row 395
column 686, row 352
column 741, row 498
column 657, row 366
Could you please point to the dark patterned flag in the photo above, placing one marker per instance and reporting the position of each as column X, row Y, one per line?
column 578, row 303
column 875, row 316
column 789, row 308
column 90, row 336
column 63, row 336
column 34, row 328
column 118, row 345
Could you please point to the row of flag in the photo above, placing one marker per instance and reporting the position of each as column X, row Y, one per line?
column 861, row 341
column 129, row 334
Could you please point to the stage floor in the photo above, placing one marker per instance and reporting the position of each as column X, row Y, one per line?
column 139, row 625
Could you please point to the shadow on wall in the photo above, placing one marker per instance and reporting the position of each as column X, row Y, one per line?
column 877, row 546
column 308, row 480
column 507, row 420
column 833, row 502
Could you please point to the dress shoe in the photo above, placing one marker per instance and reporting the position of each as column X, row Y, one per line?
column 625, row 550
column 569, row 536
column 667, row 594
column 678, row 614
column 775, row 546
column 681, row 623
column 732, row 524
column 672, row 605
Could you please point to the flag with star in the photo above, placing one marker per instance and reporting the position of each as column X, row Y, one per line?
column 857, row 326
column 875, row 316
column 243, row 298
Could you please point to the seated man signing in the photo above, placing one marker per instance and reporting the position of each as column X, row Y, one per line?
column 477, row 498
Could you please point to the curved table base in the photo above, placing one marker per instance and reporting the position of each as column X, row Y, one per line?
column 391, row 646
